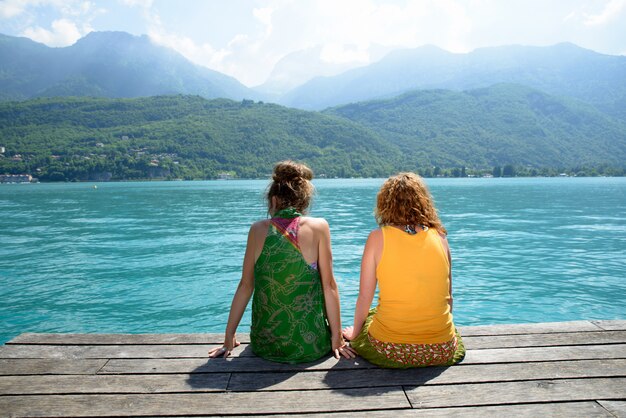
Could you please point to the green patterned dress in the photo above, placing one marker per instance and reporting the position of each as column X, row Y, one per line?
column 288, row 316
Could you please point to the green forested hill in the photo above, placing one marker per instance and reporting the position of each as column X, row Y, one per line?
column 502, row 124
column 191, row 137
column 180, row 137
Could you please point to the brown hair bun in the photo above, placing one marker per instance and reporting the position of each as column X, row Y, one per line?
column 291, row 185
column 288, row 171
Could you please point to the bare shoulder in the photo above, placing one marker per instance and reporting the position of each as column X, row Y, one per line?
column 442, row 235
column 444, row 240
column 375, row 238
column 259, row 227
column 318, row 224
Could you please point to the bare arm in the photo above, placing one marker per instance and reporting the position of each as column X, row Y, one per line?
column 367, row 286
column 444, row 241
column 331, row 293
column 240, row 300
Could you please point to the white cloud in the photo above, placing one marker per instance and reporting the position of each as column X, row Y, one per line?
column 146, row 4
column 610, row 12
column 11, row 8
column 344, row 54
column 247, row 55
column 72, row 21
column 458, row 28
column 202, row 54
column 570, row 16
column 410, row 24
column 63, row 33
column 265, row 17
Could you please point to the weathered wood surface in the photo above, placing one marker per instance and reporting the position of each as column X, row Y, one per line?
column 156, row 349
column 616, row 408
column 224, row 403
column 562, row 409
column 49, row 366
column 248, row 363
column 554, row 369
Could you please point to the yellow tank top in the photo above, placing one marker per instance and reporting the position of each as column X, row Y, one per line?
column 414, row 289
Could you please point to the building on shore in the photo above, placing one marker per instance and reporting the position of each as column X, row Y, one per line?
column 16, row 178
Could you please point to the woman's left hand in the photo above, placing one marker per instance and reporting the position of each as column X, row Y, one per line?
column 341, row 348
column 348, row 333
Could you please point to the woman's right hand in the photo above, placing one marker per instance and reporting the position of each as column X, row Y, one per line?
column 226, row 349
column 341, row 348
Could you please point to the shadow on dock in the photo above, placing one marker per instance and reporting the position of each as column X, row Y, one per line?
column 249, row 372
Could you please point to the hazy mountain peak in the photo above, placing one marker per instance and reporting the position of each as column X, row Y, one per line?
column 298, row 67
column 563, row 69
column 118, row 36
column 109, row 64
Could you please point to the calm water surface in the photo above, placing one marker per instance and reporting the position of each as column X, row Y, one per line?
column 166, row 256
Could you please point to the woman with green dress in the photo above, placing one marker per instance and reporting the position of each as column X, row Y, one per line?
column 287, row 266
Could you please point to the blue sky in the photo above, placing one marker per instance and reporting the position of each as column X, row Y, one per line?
column 246, row 39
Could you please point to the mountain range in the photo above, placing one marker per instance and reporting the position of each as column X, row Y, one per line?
column 537, row 107
column 117, row 64
column 563, row 70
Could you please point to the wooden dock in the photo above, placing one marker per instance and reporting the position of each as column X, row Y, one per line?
column 574, row 369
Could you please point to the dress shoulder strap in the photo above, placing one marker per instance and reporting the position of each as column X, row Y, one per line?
column 288, row 228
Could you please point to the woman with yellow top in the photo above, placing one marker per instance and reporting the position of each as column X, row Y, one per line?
column 409, row 258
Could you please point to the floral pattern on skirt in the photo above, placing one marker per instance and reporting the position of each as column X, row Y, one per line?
column 416, row 354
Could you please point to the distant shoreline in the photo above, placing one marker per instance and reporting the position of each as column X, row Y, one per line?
column 153, row 180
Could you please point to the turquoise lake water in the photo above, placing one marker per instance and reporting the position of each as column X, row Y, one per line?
column 166, row 256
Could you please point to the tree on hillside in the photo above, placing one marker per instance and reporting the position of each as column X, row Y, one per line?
column 508, row 171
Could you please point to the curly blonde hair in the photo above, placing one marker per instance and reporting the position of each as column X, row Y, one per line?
column 291, row 185
column 404, row 199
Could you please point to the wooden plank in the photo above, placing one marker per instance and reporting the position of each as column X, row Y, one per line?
column 339, row 379
column 539, row 328
column 179, row 349
column 204, row 403
column 544, row 340
column 122, row 339
column 611, row 325
column 51, row 384
column 561, row 409
column 185, row 339
column 525, row 354
column 247, row 364
column 440, row 396
column 49, row 366
column 114, row 351
column 201, row 350
column 616, row 408
column 333, row 379
column 135, row 339
column 229, row 365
